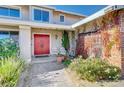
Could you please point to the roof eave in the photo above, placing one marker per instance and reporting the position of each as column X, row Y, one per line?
column 96, row 15
column 35, row 24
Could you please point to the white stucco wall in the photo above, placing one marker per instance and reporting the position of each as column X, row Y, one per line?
column 25, row 42
column 69, row 18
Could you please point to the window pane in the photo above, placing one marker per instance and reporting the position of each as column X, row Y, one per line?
column 37, row 14
column 4, row 11
column 15, row 36
column 13, row 33
column 61, row 18
column 4, row 35
column 14, row 12
column 45, row 16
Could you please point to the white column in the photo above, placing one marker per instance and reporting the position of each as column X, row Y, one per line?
column 72, row 42
column 25, row 42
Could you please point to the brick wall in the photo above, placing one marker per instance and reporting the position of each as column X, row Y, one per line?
column 122, row 52
column 122, row 41
column 91, row 44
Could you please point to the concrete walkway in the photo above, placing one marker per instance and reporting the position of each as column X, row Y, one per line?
column 45, row 74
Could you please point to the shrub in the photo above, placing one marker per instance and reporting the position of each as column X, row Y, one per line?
column 10, row 69
column 67, row 62
column 10, row 63
column 94, row 69
column 65, row 41
column 8, row 48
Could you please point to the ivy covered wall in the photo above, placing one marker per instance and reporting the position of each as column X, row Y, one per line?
column 102, row 38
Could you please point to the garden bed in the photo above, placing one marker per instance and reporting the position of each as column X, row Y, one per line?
column 93, row 72
column 75, row 79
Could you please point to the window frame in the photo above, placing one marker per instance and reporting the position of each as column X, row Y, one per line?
column 12, row 7
column 60, row 16
column 42, row 9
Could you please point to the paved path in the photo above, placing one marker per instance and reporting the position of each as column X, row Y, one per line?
column 51, row 74
column 47, row 74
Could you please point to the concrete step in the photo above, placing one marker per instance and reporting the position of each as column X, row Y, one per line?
column 44, row 59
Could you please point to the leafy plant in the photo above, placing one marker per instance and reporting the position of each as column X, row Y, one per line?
column 8, row 48
column 60, row 53
column 11, row 64
column 65, row 41
column 94, row 69
column 67, row 62
column 10, row 69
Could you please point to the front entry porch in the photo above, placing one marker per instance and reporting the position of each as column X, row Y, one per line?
column 41, row 42
column 43, row 59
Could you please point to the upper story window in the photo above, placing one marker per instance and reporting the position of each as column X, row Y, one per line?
column 9, row 12
column 40, row 15
column 62, row 18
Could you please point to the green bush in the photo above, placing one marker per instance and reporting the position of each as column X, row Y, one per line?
column 67, row 62
column 94, row 69
column 10, row 69
column 10, row 63
column 8, row 48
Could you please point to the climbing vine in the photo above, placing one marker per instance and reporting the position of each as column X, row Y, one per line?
column 108, row 27
column 110, row 38
column 65, row 41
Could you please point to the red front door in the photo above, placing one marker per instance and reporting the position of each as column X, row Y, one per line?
column 41, row 44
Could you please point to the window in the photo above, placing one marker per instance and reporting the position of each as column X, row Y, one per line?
column 14, row 12
column 61, row 18
column 4, row 35
column 9, row 34
column 41, row 15
column 4, row 11
column 11, row 12
column 37, row 14
column 45, row 15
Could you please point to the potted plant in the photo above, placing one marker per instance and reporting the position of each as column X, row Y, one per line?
column 60, row 57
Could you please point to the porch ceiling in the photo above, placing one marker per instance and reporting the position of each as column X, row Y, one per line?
column 16, row 22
